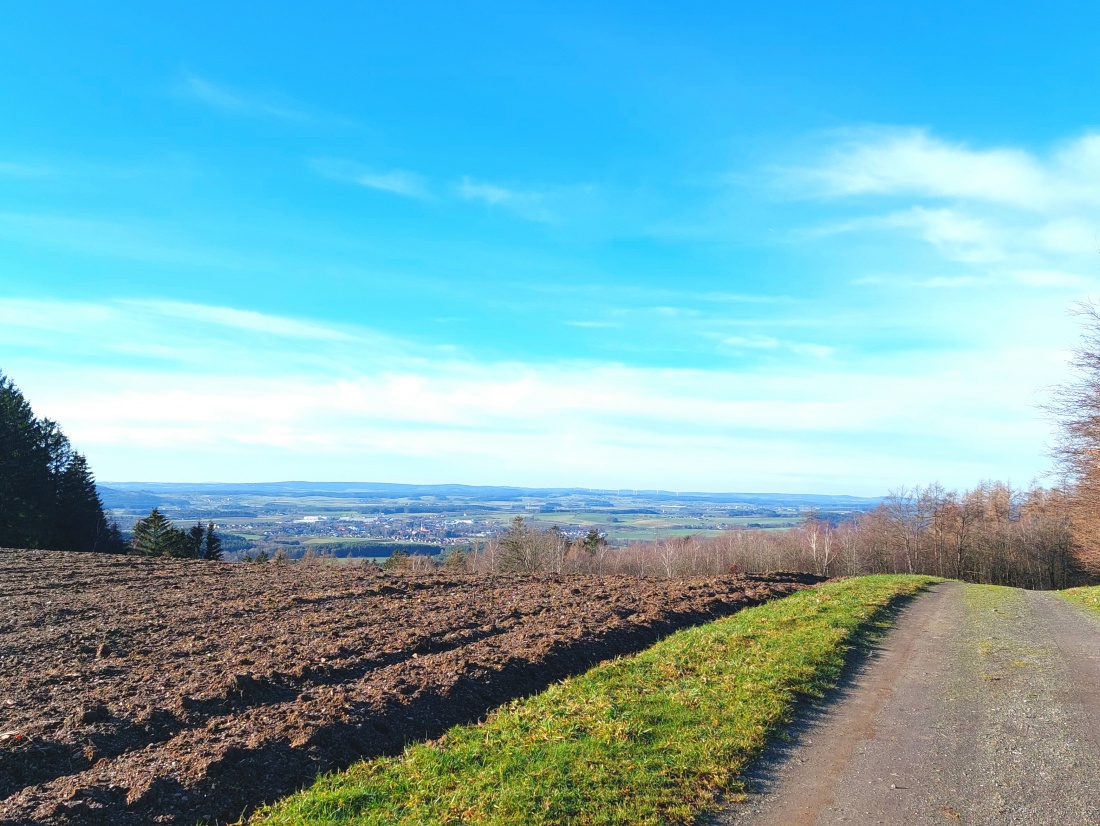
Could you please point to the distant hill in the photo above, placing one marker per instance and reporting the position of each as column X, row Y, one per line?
column 150, row 494
column 134, row 499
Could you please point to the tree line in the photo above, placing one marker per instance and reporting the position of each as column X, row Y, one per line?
column 48, row 497
column 991, row 534
column 49, row 501
column 155, row 535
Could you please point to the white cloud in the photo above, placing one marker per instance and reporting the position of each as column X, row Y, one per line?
column 229, row 100
column 549, row 206
column 752, row 342
column 912, row 162
column 1051, row 278
column 1010, row 216
column 941, row 282
column 762, row 342
column 257, row 407
column 959, row 236
column 594, row 325
column 244, row 320
column 183, row 336
column 394, row 181
column 818, row 351
column 527, row 204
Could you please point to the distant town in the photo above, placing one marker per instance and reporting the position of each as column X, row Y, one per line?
column 372, row 519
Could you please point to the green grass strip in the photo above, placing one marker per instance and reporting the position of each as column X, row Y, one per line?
column 649, row 739
column 1086, row 597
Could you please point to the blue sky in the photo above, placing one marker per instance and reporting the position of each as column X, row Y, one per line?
column 802, row 247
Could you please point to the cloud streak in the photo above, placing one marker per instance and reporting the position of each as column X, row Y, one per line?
column 231, row 101
column 394, row 181
column 911, row 162
column 1006, row 215
column 398, row 411
column 528, row 204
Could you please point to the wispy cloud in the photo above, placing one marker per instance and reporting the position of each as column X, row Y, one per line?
column 1008, row 215
column 181, row 335
column 942, row 282
column 529, row 204
column 248, row 321
column 1051, row 278
column 550, row 205
column 357, row 404
column 913, row 162
column 394, row 181
column 762, row 342
column 594, row 325
column 752, row 342
column 226, row 99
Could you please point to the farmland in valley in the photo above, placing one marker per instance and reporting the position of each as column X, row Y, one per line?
column 368, row 520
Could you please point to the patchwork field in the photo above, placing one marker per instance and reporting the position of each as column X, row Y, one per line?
column 138, row 691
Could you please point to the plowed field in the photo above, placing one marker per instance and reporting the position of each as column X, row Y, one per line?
column 137, row 691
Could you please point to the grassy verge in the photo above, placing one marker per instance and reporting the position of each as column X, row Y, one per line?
column 649, row 739
column 1087, row 597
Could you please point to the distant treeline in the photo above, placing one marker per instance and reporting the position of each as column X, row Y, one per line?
column 991, row 534
column 48, row 496
column 236, row 546
column 377, row 549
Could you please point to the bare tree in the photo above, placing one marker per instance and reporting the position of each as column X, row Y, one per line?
column 1076, row 407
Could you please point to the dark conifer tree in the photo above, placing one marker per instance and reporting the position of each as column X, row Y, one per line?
column 213, row 545
column 155, row 536
column 81, row 524
column 24, row 482
column 195, row 538
column 48, row 497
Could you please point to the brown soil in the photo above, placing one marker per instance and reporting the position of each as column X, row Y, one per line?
column 137, row 691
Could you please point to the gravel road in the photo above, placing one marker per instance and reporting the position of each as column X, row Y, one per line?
column 981, row 707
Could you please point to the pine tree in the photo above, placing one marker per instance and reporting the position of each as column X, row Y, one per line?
column 398, row 561
column 81, row 525
column 48, row 497
column 24, row 474
column 195, row 537
column 213, row 549
column 155, row 536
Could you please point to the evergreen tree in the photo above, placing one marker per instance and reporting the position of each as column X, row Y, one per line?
column 195, row 537
column 213, row 548
column 23, row 470
column 398, row 560
column 81, row 524
column 155, row 536
column 48, row 497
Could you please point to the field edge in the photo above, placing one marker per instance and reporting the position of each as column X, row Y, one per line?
column 654, row 738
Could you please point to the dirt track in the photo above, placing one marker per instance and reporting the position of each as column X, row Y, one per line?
column 981, row 707
column 134, row 691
